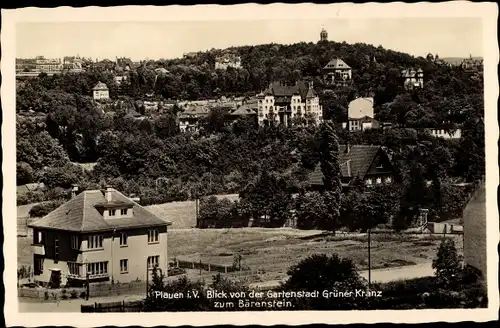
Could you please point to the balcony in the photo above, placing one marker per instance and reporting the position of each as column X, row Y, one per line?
column 98, row 275
column 38, row 249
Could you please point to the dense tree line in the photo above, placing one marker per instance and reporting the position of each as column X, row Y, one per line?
column 59, row 124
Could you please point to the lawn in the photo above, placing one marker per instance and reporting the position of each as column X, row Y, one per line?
column 270, row 252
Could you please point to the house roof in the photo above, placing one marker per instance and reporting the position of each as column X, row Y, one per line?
column 195, row 110
column 245, row 109
column 283, row 91
column 352, row 164
column 361, row 107
column 336, row 63
column 100, row 86
column 80, row 214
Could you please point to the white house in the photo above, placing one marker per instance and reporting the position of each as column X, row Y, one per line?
column 101, row 91
column 360, row 115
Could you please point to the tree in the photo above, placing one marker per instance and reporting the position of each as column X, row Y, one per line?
column 330, row 167
column 447, row 263
column 24, row 173
column 320, row 272
column 310, row 210
column 215, row 212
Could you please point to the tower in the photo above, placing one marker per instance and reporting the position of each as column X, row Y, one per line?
column 323, row 36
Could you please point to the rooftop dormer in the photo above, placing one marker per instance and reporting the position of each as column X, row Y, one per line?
column 113, row 208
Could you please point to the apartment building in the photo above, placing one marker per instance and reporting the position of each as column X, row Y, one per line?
column 281, row 103
column 99, row 235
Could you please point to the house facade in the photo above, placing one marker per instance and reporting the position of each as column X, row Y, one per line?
column 281, row 103
column 43, row 64
column 100, row 91
column 190, row 118
column 360, row 115
column 99, row 236
column 446, row 134
column 337, row 72
column 369, row 164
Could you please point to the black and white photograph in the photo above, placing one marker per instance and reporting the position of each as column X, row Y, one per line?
column 238, row 159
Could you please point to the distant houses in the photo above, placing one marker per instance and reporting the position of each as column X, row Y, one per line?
column 413, row 78
column 446, row 134
column 228, row 60
column 472, row 64
column 360, row 115
column 281, row 103
column 337, row 72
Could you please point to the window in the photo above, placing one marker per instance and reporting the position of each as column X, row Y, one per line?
column 95, row 242
column 153, row 236
column 123, row 239
column 368, row 181
column 97, row 268
column 123, row 266
column 39, row 237
column 123, row 211
column 56, row 248
column 74, row 268
column 379, row 180
column 38, row 265
column 380, row 166
column 153, row 261
column 75, row 242
column 112, row 212
column 388, row 180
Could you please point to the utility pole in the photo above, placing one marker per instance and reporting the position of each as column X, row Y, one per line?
column 369, row 260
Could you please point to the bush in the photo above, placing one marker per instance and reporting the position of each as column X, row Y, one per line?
column 83, row 295
column 447, row 263
column 46, row 295
column 73, row 293
column 43, row 209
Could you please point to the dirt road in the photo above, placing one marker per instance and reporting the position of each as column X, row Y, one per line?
column 406, row 272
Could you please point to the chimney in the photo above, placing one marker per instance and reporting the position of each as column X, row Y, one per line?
column 107, row 193
column 74, row 190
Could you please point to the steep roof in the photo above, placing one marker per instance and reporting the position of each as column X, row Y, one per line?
column 100, row 86
column 354, row 163
column 361, row 107
column 245, row 109
column 336, row 63
column 81, row 215
column 281, row 90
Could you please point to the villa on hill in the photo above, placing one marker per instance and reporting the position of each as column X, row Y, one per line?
column 281, row 103
column 99, row 236
column 337, row 72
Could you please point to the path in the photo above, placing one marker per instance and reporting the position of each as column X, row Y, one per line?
column 405, row 272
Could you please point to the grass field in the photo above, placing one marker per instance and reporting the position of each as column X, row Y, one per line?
column 268, row 253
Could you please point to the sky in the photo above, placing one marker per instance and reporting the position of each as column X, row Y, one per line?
column 448, row 37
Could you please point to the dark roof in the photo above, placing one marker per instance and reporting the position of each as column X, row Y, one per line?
column 278, row 89
column 352, row 164
column 81, row 214
column 245, row 109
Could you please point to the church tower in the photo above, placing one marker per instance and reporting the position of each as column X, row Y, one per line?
column 323, row 36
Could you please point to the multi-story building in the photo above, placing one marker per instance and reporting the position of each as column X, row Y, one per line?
column 190, row 117
column 73, row 64
column 98, row 236
column 228, row 60
column 360, row 115
column 100, row 91
column 280, row 103
column 25, row 64
column 472, row 64
column 337, row 72
column 413, row 79
column 43, row 64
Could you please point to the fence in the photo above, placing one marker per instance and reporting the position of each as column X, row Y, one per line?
column 131, row 306
column 51, row 294
column 204, row 266
column 106, row 289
